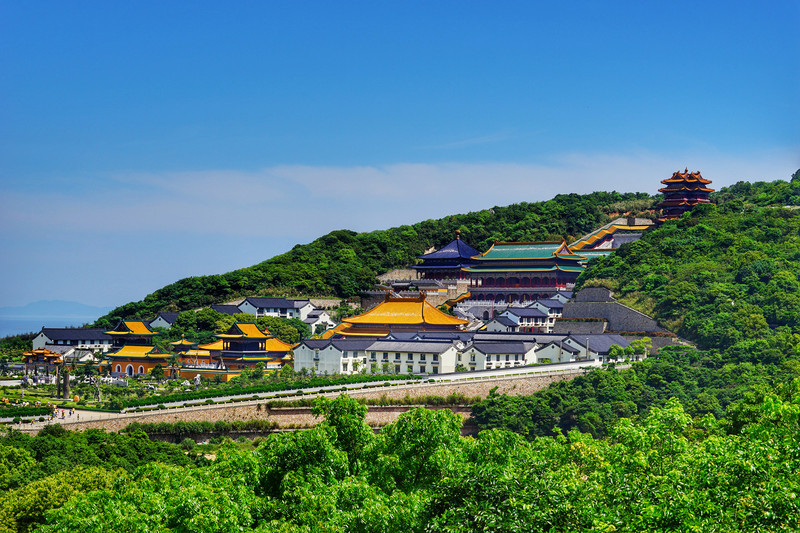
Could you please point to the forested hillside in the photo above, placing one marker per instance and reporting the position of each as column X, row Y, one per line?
column 343, row 262
column 725, row 276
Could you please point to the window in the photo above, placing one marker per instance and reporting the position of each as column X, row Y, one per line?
column 344, row 354
column 516, row 358
column 373, row 356
column 396, row 369
column 344, row 367
column 435, row 357
column 410, row 369
column 436, row 370
column 422, row 357
column 508, row 357
column 421, row 369
column 397, row 356
column 119, row 368
column 141, row 369
column 408, row 356
column 472, row 358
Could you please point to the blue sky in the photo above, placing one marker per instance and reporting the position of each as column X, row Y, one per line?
column 142, row 142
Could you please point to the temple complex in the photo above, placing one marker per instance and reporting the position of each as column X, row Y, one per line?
column 401, row 314
column 683, row 191
column 523, row 271
column 448, row 261
column 134, row 352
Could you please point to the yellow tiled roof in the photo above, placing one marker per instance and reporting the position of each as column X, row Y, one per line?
column 251, row 330
column 371, row 332
column 244, row 330
column 198, row 353
column 408, row 311
column 139, row 328
column 139, row 352
column 131, row 327
column 216, row 345
column 182, row 342
column 276, row 345
column 333, row 331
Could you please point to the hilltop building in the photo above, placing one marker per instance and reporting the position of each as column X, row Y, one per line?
column 523, row 271
column 683, row 191
column 164, row 320
column 448, row 261
column 611, row 236
column 278, row 307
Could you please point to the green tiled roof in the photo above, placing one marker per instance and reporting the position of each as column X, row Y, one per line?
column 524, row 250
column 547, row 268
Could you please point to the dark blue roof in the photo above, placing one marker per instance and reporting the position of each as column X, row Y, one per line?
column 552, row 304
column 506, row 321
column 280, row 303
column 503, row 347
column 226, row 309
column 456, row 249
column 63, row 334
column 168, row 317
column 527, row 312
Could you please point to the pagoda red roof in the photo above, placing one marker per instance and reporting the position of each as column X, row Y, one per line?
column 685, row 176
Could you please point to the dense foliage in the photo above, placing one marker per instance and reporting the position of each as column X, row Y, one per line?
column 343, row 262
column 43, row 472
column 594, row 403
column 662, row 473
column 724, row 278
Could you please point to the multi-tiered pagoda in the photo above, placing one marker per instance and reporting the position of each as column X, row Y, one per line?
column 683, row 191
column 448, row 261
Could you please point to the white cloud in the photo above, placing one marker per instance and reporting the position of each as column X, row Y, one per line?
column 306, row 201
column 149, row 229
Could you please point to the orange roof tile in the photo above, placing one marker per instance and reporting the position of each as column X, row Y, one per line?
column 406, row 311
column 139, row 352
column 216, row 345
column 276, row 345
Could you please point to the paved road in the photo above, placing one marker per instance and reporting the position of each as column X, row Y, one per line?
column 505, row 373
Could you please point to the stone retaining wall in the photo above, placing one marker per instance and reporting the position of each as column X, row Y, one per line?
column 301, row 417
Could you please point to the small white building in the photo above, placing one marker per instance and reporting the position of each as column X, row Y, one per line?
column 78, row 338
column 529, row 319
column 164, row 320
column 503, row 324
column 557, row 352
column 279, row 307
column 318, row 317
column 334, row 356
column 413, row 357
column 562, row 296
column 492, row 355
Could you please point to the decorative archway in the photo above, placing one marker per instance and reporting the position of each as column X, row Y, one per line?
column 129, row 370
column 119, row 369
column 141, row 369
